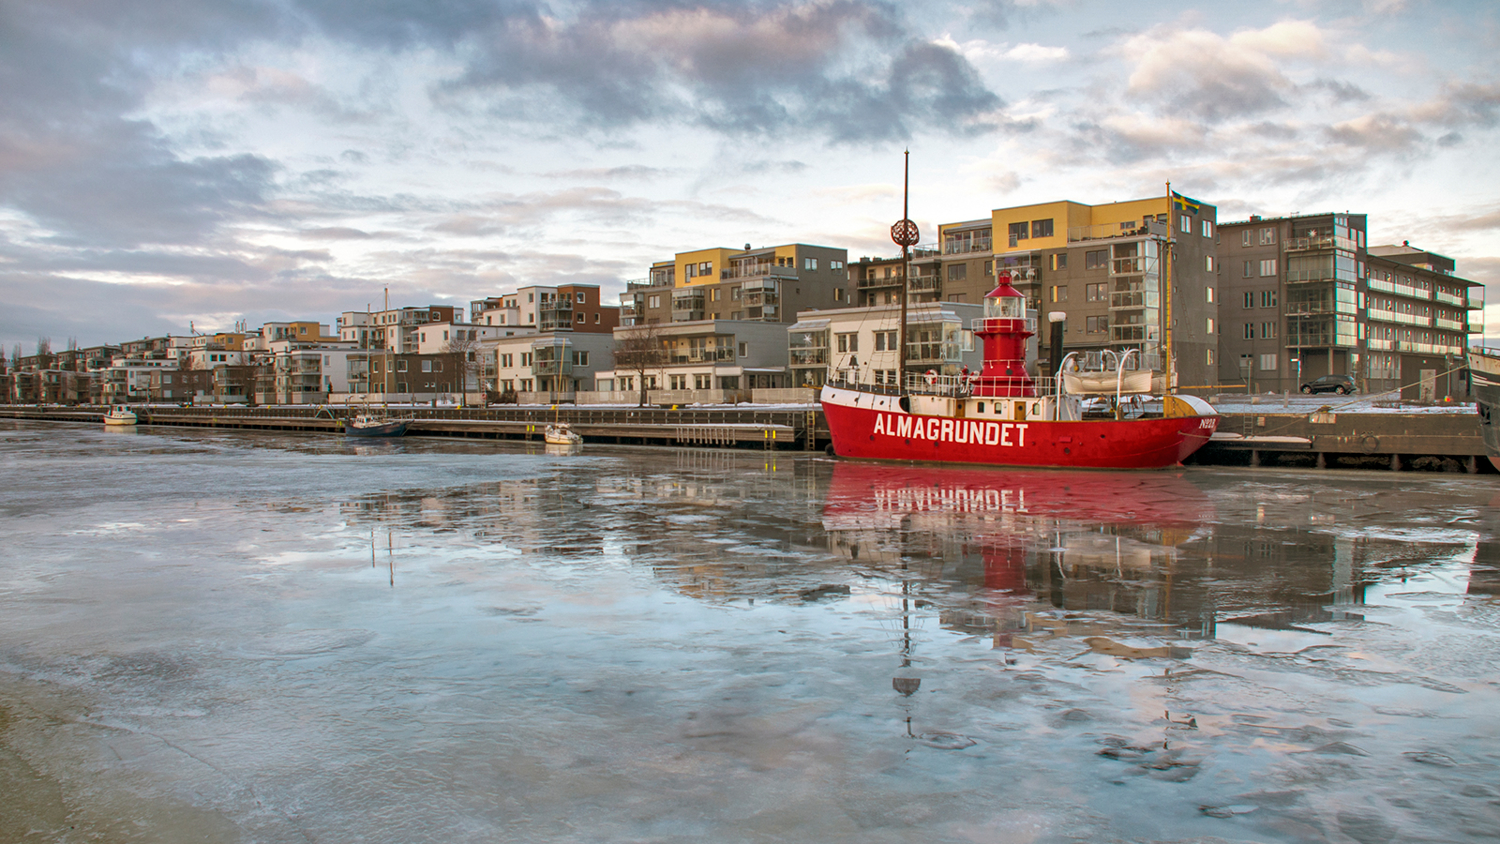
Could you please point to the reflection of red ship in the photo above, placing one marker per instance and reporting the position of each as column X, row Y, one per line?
column 1006, row 512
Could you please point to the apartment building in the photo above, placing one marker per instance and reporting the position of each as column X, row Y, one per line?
column 567, row 307
column 1305, row 297
column 860, row 344
column 768, row 284
column 1104, row 267
column 1420, row 319
column 548, row 367
column 397, row 330
column 729, row 357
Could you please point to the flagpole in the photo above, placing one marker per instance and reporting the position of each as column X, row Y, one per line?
column 1167, row 298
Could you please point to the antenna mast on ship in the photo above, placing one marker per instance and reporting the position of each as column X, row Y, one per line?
column 904, row 233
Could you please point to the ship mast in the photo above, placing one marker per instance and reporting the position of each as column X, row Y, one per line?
column 904, row 233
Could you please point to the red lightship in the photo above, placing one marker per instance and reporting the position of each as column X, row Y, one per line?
column 1000, row 417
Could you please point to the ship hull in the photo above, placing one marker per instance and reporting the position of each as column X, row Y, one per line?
column 882, row 434
column 1484, row 376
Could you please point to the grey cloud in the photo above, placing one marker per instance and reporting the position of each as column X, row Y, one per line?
column 823, row 68
column 630, row 171
column 1340, row 92
column 335, row 233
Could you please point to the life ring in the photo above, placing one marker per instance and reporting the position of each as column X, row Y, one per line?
column 931, row 377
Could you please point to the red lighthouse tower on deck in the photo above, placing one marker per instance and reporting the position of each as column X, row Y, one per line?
column 1004, row 329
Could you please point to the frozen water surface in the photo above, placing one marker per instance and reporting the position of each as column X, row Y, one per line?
column 232, row 636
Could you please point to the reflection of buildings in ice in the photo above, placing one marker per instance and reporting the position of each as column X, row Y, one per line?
column 1074, row 540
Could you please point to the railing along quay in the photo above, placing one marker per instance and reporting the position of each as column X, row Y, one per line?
column 725, row 427
column 1278, row 435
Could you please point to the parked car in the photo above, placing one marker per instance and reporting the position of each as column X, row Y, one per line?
column 1341, row 384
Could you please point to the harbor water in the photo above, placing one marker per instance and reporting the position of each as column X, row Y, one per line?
column 231, row 636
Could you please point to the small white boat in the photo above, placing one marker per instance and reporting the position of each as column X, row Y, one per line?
column 119, row 415
column 561, row 434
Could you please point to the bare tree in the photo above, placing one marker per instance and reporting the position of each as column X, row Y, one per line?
column 461, row 357
column 640, row 350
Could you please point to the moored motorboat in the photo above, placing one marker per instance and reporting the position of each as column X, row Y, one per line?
column 375, row 425
column 120, row 415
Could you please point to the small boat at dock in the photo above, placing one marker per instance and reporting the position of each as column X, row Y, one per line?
column 120, row 415
column 561, row 433
column 375, row 425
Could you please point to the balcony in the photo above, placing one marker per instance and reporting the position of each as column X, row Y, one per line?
column 759, row 270
column 1380, row 345
column 709, row 354
column 925, row 282
column 965, row 246
column 1394, row 316
column 1305, row 276
column 1428, row 348
column 1401, row 289
column 867, row 283
column 1447, row 324
column 1449, row 298
column 1109, row 231
column 640, row 284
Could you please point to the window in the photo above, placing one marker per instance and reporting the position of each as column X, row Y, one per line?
column 958, row 272
column 1268, row 363
column 580, row 318
column 1210, row 360
column 1096, row 292
column 580, row 358
column 1249, row 331
column 848, row 342
column 1059, row 293
column 1018, row 231
column 1096, row 324
column 1249, row 299
column 1208, row 231
column 1041, row 228
column 507, row 360
column 1095, row 259
column 1267, row 298
column 702, row 382
column 1209, row 291
column 653, row 301
column 400, row 366
column 744, row 349
column 531, row 297
column 1268, row 266
column 526, row 358
column 1209, row 263
column 677, row 382
column 597, row 319
column 579, row 297
column 838, row 294
column 734, row 294
column 1249, row 269
column 1058, row 260
column 1185, row 224
column 1267, row 236
column 1268, row 330
column 886, row 340
column 1245, row 237
column 835, row 265
column 809, row 263
column 1210, row 325
column 989, row 269
column 706, row 268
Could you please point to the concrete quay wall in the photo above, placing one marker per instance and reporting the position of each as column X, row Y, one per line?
column 1318, row 439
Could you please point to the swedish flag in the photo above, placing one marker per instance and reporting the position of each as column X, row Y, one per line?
column 1182, row 203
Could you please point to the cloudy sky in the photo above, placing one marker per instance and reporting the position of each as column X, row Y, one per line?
column 188, row 161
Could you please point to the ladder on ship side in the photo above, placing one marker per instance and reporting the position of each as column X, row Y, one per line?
column 810, row 432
